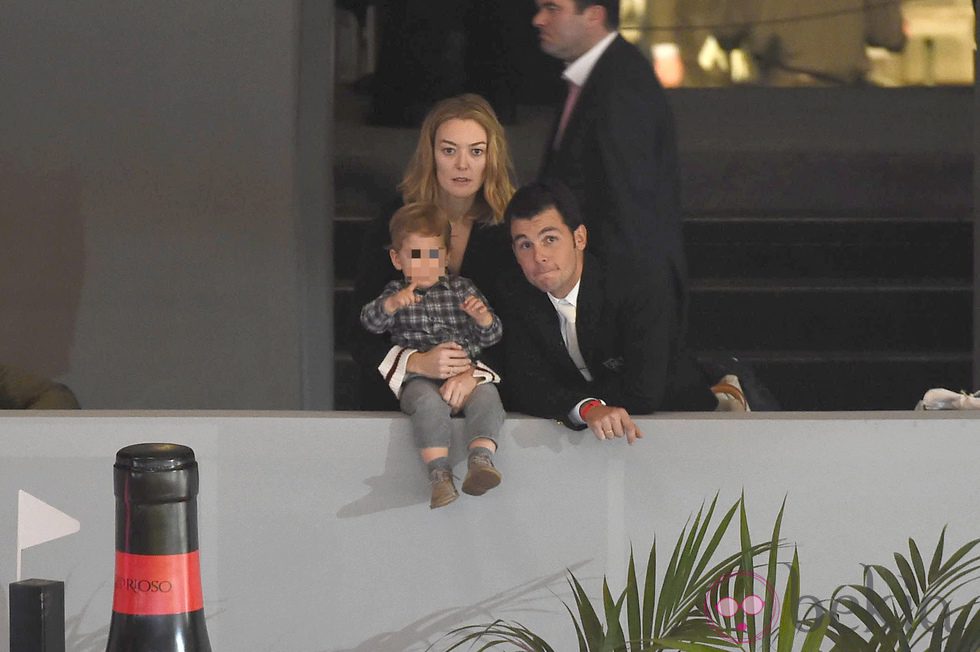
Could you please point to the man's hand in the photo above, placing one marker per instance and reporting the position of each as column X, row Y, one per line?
column 478, row 311
column 456, row 391
column 441, row 361
column 404, row 297
column 607, row 421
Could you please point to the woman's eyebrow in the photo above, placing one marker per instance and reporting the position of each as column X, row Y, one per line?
column 449, row 142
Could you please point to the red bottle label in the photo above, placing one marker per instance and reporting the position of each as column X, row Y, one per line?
column 156, row 585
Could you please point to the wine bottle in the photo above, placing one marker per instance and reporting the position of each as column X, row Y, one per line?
column 157, row 604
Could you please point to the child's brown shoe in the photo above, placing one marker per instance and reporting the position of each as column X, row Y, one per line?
column 443, row 489
column 481, row 476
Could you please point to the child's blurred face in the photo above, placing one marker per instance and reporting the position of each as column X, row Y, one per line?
column 422, row 258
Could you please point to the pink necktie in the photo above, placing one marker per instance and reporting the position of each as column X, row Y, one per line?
column 573, row 91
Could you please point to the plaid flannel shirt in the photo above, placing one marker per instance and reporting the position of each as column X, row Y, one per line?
column 437, row 318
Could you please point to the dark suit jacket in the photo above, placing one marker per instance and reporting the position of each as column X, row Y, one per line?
column 618, row 155
column 629, row 336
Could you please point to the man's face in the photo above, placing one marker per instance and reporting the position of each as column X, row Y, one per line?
column 422, row 258
column 549, row 253
column 563, row 31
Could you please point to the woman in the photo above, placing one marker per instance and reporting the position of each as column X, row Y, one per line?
column 462, row 164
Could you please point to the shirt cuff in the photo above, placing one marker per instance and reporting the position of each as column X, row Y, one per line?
column 484, row 374
column 574, row 416
column 394, row 367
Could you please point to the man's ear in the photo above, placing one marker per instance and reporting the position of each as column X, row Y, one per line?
column 394, row 259
column 581, row 237
column 596, row 13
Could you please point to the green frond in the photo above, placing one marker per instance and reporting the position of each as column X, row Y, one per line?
column 937, row 557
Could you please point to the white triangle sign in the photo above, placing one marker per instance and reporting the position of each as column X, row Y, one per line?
column 39, row 522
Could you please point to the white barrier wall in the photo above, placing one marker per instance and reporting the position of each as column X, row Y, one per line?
column 316, row 533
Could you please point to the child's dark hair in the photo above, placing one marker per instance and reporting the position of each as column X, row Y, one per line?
column 420, row 218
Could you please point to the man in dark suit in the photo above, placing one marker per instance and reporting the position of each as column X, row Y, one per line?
column 613, row 143
column 588, row 342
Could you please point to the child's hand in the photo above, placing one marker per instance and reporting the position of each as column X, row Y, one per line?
column 478, row 311
column 456, row 391
column 404, row 297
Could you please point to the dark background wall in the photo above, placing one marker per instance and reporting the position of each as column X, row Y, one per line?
column 164, row 204
column 149, row 203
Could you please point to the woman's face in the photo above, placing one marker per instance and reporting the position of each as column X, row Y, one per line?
column 461, row 157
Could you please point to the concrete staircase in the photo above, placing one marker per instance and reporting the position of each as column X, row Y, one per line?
column 829, row 234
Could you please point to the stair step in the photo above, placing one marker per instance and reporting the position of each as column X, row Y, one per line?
column 858, row 382
column 811, row 316
column 827, row 318
column 909, row 248
column 787, row 246
column 774, row 180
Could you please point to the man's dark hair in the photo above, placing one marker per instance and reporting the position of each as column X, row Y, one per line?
column 535, row 198
column 611, row 6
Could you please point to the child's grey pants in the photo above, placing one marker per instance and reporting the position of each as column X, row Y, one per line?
column 430, row 415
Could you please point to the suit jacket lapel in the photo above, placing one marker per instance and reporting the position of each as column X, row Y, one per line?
column 549, row 142
column 546, row 320
column 588, row 313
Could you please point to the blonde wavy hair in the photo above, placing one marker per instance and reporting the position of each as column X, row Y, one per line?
column 419, row 183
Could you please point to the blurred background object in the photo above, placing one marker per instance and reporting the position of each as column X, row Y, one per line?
column 938, row 48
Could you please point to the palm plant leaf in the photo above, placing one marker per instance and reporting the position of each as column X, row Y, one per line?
column 649, row 594
column 583, row 645
column 685, row 646
column 918, row 594
column 937, row 557
column 846, row 639
column 893, row 630
column 791, row 601
column 936, row 640
column 669, row 591
column 970, row 638
column 499, row 633
column 694, row 631
column 959, row 626
column 591, row 626
column 716, row 537
column 920, row 570
column 896, row 588
column 744, row 582
column 815, row 636
column 958, row 555
column 672, row 619
column 771, row 580
column 614, row 639
column 633, row 606
column 908, row 577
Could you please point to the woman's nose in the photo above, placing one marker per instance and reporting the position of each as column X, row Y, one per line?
column 462, row 162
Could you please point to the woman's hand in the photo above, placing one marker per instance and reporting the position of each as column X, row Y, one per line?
column 442, row 361
column 456, row 391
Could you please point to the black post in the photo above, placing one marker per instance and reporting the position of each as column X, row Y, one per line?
column 37, row 616
column 976, row 213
